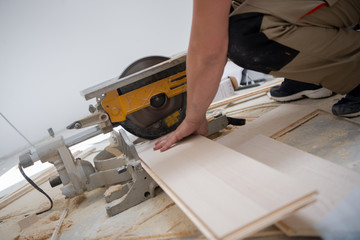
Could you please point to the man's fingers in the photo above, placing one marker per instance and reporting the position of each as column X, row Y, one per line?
column 157, row 147
column 161, row 140
column 166, row 142
column 184, row 130
column 172, row 140
column 160, row 143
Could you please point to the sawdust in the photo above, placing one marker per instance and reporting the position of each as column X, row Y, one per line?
column 44, row 228
column 76, row 201
column 132, row 228
column 54, row 217
column 112, row 189
column 58, row 203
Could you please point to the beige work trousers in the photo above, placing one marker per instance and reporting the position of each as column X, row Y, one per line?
column 329, row 51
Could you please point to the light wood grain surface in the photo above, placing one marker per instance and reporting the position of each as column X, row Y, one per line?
column 225, row 193
column 333, row 182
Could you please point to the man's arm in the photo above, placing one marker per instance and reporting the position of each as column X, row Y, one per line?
column 206, row 59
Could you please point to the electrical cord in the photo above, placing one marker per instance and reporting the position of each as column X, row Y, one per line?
column 37, row 188
column 22, row 171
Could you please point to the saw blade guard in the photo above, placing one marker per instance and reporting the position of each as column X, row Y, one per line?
column 152, row 107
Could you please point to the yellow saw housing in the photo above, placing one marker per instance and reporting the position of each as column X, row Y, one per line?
column 119, row 106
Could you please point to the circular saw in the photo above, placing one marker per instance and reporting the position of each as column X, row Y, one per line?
column 164, row 113
column 148, row 99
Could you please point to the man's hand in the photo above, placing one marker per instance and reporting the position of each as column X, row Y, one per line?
column 186, row 128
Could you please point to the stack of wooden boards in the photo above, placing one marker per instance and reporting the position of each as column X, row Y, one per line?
column 246, row 181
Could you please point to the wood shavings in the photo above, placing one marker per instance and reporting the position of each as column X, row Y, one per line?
column 44, row 227
column 76, row 201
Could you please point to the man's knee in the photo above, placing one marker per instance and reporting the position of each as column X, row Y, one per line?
column 251, row 49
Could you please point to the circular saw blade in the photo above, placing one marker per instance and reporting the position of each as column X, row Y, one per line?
column 153, row 121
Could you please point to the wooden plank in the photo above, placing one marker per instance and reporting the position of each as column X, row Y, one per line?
column 295, row 124
column 333, row 182
column 272, row 124
column 237, row 97
column 226, row 194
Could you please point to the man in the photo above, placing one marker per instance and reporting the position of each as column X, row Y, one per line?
column 307, row 41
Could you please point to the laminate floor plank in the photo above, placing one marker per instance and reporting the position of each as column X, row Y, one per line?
column 333, row 181
column 226, row 194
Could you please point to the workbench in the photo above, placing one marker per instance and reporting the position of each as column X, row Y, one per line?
column 332, row 138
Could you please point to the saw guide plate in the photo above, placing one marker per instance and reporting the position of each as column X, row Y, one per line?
column 226, row 194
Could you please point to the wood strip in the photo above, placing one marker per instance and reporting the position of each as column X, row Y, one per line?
column 54, row 236
column 171, row 235
column 237, row 97
column 295, row 124
column 263, row 234
column 333, row 182
column 274, row 123
column 87, row 152
column 75, row 154
column 226, row 194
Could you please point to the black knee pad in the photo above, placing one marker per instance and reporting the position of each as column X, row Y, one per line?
column 251, row 49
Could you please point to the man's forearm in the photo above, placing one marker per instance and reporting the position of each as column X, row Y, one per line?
column 204, row 72
column 206, row 54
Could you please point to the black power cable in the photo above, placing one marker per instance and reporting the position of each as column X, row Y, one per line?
column 23, row 173
column 37, row 188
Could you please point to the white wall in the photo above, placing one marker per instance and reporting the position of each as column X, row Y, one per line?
column 51, row 50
